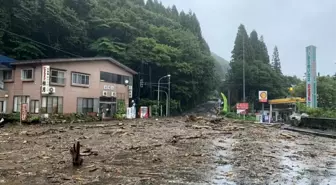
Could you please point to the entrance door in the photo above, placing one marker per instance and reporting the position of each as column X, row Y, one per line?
column 108, row 106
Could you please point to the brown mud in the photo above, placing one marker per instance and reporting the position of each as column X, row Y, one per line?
column 165, row 151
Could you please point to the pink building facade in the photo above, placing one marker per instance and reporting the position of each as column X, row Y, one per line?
column 81, row 85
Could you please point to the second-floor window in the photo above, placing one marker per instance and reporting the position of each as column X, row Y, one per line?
column 80, row 79
column 27, row 74
column 7, row 75
column 57, row 77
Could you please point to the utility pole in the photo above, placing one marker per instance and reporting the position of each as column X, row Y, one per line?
column 168, row 96
column 244, row 69
column 244, row 99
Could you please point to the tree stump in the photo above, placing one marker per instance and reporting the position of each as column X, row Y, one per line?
column 75, row 152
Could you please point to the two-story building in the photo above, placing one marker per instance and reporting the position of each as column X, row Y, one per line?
column 81, row 85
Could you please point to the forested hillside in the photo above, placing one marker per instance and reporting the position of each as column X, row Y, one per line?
column 222, row 65
column 149, row 38
column 262, row 72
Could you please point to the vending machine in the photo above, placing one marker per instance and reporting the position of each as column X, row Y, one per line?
column 143, row 112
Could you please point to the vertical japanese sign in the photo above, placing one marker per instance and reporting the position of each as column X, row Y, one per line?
column 45, row 79
column 24, row 111
column 311, row 85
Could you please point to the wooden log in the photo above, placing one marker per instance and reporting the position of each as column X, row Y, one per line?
column 76, row 157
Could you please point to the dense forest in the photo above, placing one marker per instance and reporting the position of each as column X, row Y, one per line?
column 262, row 72
column 151, row 39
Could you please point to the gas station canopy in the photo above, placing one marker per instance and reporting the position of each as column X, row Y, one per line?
column 287, row 100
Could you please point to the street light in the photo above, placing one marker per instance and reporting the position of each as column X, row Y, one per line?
column 158, row 95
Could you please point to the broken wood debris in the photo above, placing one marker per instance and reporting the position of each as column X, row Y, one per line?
column 75, row 152
column 88, row 152
column 144, row 147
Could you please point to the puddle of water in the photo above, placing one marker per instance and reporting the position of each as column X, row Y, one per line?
column 304, row 171
column 223, row 170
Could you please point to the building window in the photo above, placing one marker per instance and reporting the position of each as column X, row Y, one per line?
column 114, row 78
column 34, row 106
column 7, row 75
column 57, row 77
column 27, row 74
column 85, row 105
column 52, row 104
column 18, row 100
column 80, row 79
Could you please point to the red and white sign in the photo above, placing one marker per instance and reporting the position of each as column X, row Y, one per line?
column 143, row 112
column 24, row 112
column 242, row 107
column 45, row 75
column 309, row 92
column 263, row 96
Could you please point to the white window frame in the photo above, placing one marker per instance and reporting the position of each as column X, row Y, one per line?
column 17, row 104
column 75, row 79
column 22, row 74
column 52, row 105
column 58, row 71
column 34, row 106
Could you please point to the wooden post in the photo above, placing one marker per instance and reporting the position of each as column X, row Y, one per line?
column 75, row 152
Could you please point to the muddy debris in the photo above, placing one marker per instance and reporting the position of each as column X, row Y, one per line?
column 185, row 150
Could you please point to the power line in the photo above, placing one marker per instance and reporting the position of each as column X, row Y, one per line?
column 40, row 43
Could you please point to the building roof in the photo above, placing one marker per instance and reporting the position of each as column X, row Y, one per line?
column 58, row 60
column 4, row 59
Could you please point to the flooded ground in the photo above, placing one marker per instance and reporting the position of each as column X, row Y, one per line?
column 165, row 151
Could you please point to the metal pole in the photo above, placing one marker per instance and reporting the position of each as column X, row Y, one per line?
column 244, row 71
column 166, row 104
column 168, row 96
column 158, row 95
column 158, row 98
column 244, row 68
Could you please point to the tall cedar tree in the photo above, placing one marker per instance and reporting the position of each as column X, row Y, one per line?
column 259, row 74
column 276, row 61
column 242, row 46
column 264, row 50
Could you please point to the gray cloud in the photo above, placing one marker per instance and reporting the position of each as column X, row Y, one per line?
column 290, row 24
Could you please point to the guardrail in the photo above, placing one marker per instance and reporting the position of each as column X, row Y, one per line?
column 319, row 123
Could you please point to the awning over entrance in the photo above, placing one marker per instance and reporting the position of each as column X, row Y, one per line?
column 287, row 100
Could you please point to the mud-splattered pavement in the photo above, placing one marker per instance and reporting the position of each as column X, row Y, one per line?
column 167, row 151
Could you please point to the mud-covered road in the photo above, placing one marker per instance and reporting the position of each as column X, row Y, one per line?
column 165, row 151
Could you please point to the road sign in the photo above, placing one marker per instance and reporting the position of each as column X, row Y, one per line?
column 263, row 96
column 242, row 107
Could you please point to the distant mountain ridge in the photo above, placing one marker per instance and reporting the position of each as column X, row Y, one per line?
column 222, row 65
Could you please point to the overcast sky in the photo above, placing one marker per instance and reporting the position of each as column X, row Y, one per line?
column 290, row 24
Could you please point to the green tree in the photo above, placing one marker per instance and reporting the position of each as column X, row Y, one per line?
column 259, row 74
column 276, row 60
column 265, row 56
column 242, row 47
column 326, row 90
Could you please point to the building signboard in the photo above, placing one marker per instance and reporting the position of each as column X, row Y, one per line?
column 242, row 107
column 109, row 87
column 311, row 86
column 45, row 76
column 24, row 111
column 263, row 96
